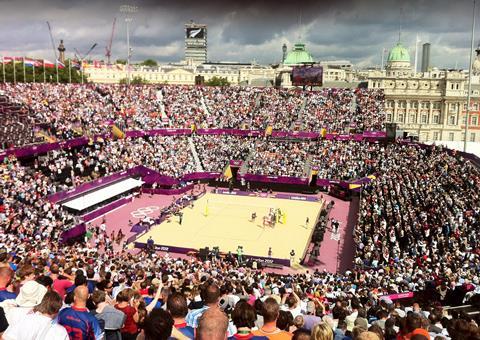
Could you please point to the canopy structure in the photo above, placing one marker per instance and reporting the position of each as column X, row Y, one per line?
column 92, row 198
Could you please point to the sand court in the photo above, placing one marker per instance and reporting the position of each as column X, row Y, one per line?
column 225, row 221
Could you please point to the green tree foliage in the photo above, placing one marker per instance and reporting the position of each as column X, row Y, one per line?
column 50, row 74
column 121, row 61
column 150, row 62
column 134, row 81
column 217, row 81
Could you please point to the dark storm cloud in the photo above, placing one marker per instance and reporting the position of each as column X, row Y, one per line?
column 242, row 30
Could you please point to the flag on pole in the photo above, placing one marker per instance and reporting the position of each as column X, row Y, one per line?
column 60, row 64
column 228, row 172
column 47, row 63
column 76, row 64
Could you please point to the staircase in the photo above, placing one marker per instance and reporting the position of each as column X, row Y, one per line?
column 162, row 106
column 298, row 123
column 308, row 167
column 193, row 149
column 244, row 168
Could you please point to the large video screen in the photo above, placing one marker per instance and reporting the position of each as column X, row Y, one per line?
column 196, row 33
column 307, row 75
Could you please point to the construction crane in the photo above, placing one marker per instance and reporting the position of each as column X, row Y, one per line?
column 108, row 48
column 79, row 56
column 53, row 41
column 54, row 50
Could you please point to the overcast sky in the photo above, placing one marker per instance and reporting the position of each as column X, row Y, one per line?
column 356, row 30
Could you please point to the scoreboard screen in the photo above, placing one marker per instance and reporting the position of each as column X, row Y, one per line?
column 307, row 75
column 195, row 32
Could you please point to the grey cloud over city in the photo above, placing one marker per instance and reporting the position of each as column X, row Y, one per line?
column 242, row 30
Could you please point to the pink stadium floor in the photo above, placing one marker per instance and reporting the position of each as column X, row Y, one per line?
column 336, row 251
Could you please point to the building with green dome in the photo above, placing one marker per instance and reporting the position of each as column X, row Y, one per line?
column 298, row 56
column 398, row 61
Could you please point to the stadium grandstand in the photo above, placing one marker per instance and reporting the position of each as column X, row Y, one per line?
column 150, row 211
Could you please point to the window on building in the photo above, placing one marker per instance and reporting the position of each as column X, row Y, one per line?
column 453, row 107
column 472, row 137
column 451, row 136
column 475, row 107
column 412, row 118
column 464, row 120
column 389, row 117
column 401, row 118
column 436, row 119
column 474, row 120
column 451, row 120
column 415, row 105
column 435, row 135
column 424, row 119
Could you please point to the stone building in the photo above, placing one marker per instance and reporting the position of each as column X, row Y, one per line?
column 430, row 105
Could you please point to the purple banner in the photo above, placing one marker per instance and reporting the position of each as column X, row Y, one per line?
column 105, row 209
column 295, row 134
column 182, row 250
column 344, row 137
column 78, row 230
column 398, row 296
column 322, row 182
column 169, row 191
column 235, row 132
column 358, row 137
column 236, row 163
column 201, row 175
column 374, row 134
column 274, row 179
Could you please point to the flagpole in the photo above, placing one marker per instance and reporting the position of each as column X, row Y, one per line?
column 70, row 70
column 14, row 71
column 3, row 69
column 469, row 81
column 24, row 71
column 81, row 68
column 44, row 75
column 56, row 68
column 33, row 73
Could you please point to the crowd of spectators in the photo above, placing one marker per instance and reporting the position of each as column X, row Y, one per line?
column 139, row 296
column 417, row 231
column 345, row 110
column 64, row 111
column 279, row 158
column 215, row 152
column 231, row 106
column 419, row 222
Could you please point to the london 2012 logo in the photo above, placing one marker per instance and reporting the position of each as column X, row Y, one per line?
column 144, row 211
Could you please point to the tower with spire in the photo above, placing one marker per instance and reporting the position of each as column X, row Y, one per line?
column 61, row 54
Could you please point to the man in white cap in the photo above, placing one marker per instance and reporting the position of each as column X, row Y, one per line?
column 31, row 294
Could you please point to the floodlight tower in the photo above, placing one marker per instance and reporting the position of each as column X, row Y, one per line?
column 128, row 10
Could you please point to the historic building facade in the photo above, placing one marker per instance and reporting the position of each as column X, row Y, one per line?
column 431, row 105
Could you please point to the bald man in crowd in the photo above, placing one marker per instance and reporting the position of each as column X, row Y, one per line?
column 212, row 325
column 78, row 321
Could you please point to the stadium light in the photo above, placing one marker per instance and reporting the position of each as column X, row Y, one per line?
column 469, row 81
column 128, row 10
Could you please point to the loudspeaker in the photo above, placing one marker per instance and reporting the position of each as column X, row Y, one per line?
column 203, row 253
column 199, row 80
column 391, row 131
